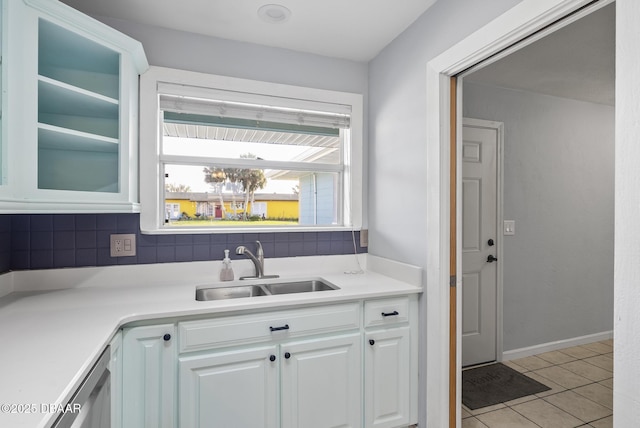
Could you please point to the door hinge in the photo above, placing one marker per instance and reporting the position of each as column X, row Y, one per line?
column 452, row 281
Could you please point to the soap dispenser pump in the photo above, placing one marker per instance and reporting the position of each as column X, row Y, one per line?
column 226, row 272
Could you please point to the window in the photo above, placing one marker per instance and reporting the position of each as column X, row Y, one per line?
column 230, row 154
column 172, row 211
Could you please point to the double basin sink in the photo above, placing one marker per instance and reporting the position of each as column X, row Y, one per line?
column 263, row 289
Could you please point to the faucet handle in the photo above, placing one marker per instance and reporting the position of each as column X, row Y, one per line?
column 259, row 252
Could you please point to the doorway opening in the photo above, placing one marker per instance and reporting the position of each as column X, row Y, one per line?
column 556, row 97
column 531, row 21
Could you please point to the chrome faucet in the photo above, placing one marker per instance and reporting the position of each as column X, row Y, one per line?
column 258, row 261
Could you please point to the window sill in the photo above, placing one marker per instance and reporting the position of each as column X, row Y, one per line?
column 257, row 229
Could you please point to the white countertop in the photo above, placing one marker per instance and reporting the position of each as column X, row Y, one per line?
column 51, row 336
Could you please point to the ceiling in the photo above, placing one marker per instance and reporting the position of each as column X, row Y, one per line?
column 355, row 29
column 576, row 61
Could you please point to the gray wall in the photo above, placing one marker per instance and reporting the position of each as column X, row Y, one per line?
column 397, row 155
column 397, row 130
column 189, row 51
column 559, row 188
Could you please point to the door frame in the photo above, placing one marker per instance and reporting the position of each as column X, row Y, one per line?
column 499, row 128
column 523, row 24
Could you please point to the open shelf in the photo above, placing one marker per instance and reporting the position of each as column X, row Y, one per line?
column 78, row 171
column 57, row 138
column 68, row 57
column 72, row 160
column 66, row 106
column 78, row 112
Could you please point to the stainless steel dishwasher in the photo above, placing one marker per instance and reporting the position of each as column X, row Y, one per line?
column 93, row 399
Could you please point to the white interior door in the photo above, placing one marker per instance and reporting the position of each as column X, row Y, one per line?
column 479, row 242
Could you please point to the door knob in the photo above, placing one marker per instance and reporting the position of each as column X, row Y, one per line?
column 491, row 258
column 490, row 242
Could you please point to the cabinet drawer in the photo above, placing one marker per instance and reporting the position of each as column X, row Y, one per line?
column 386, row 311
column 236, row 330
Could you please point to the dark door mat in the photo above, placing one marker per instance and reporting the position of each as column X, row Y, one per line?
column 496, row 383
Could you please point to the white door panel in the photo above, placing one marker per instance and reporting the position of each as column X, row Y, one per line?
column 321, row 383
column 479, row 225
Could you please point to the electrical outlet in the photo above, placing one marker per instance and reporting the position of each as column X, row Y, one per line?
column 364, row 238
column 123, row 245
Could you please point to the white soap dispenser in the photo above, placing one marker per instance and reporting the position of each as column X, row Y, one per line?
column 226, row 272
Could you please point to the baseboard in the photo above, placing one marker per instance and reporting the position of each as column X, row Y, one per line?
column 6, row 284
column 554, row 346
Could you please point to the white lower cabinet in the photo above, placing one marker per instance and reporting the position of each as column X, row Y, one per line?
column 310, row 383
column 224, row 389
column 115, row 367
column 387, row 377
column 346, row 365
column 321, row 383
column 149, row 376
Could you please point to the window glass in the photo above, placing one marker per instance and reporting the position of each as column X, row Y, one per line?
column 226, row 153
column 205, row 196
column 258, row 165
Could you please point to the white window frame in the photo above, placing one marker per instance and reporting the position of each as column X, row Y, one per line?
column 151, row 180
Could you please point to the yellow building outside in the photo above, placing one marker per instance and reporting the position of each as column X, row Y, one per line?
column 273, row 206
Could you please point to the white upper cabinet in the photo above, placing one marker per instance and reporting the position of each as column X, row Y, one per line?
column 70, row 111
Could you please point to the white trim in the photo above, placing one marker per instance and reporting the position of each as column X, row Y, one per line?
column 41, row 206
column 6, row 284
column 251, row 163
column 522, row 20
column 554, row 346
column 150, row 126
column 499, row 128
column 99, row 31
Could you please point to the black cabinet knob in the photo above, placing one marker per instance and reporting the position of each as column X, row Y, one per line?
column 272, row 358
column 287, row 355
column 490, row 243
column 491, row 258
column 372, row 342
column 167, row 337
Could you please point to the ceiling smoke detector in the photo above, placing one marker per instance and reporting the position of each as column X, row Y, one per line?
column 274, row 13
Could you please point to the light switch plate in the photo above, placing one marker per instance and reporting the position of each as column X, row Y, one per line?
column 123, row 245
column 509, row 227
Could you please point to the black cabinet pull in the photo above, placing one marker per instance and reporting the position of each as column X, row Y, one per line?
column 287, row 355
column 372, row 342
column 284, row 327
column 167, row 337
column 272, row 358
column 390, row 314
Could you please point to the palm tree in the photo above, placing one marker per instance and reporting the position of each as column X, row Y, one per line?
column 216, row 177
column 250, row 181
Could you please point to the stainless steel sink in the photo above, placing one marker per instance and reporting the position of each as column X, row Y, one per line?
column 263, row 289
column 299, row 286
column 235, row 292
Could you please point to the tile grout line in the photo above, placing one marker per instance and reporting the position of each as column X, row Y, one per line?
column 525, row 370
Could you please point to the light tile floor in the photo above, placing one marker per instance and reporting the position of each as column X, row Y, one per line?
column 581, row 394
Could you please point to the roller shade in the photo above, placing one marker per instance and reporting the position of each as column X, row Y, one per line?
column 205, row 106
